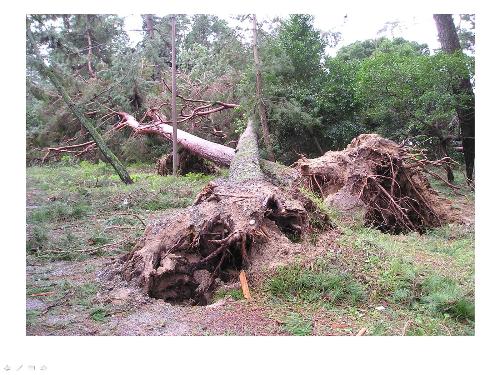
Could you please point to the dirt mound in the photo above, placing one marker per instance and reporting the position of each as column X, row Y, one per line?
column 383, row 179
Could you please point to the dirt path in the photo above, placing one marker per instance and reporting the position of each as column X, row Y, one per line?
column 78, row 292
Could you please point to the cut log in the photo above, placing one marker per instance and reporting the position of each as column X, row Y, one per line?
column 244, row 285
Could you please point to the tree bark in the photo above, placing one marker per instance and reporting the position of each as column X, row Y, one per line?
column 89, row 50
column 215, row 152
column 175, row 151
column 149, row 25
column 450, row 43
column 258, row 89
column 86, row 123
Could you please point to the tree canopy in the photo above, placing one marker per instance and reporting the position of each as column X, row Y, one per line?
column 314, row 101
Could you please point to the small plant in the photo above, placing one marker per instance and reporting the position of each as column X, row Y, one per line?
column 85, row 293
column 297, row 325
column 59, row 211
column 400, row 279
column 99, row 314
column 37, row 239
column 99, row 238
column 235, row 294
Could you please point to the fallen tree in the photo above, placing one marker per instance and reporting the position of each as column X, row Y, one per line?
column 183, row 256
column 381, row 178
column 238, row 220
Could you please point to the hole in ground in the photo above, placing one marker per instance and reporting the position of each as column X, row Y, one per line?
column 184, row 287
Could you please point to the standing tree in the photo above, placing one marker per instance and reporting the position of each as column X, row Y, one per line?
column 450, row 43
column 175, row 153
column 258, row 90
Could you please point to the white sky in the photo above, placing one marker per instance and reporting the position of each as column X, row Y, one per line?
column 357, row 26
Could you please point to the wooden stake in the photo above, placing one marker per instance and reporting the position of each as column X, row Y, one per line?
column 244, row 285
column 361, row 332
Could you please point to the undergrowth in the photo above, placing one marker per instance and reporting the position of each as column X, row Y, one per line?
column 81, row 209
column 411, row 284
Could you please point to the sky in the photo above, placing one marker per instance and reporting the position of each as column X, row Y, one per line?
column 353, row 26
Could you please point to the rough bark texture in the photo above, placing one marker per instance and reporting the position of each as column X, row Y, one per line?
column 258, row 89
column 149, row 25
column 175, row 145
column 450, row 43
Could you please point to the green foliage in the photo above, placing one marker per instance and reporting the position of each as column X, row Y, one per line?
column 314, row 102
column 99, row 314
column 320, row 284
column 297, row 325
column 408, row 94
column 235, row 294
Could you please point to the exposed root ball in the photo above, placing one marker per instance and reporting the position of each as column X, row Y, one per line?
column 180, row 257
column 381, row 177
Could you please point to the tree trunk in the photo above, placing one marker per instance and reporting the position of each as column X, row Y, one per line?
column 89, row 50
column 149, row 25
column 175, row 151
column 184, row 257
column 219, row 154
column 443, row 150
column 450, row 43
column 258, row 89
column 86, row 123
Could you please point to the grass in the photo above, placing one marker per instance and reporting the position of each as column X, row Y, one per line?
column 77, row 210
column 424, row 282
column 99, row 314
column 297, row 325
column 320, row 284
column 444, row 295
column 235, row 294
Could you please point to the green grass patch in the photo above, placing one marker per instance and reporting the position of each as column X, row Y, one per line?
column 32, row 317
column 444, row 295
column 235, row 294
column 319, row 284
column 85, row 293
column 36, row 238
column 99, row 314
column 59, row 211
column 297, row 325
column 400, row 280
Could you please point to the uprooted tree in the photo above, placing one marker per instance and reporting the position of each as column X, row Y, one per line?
column 234, row 222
